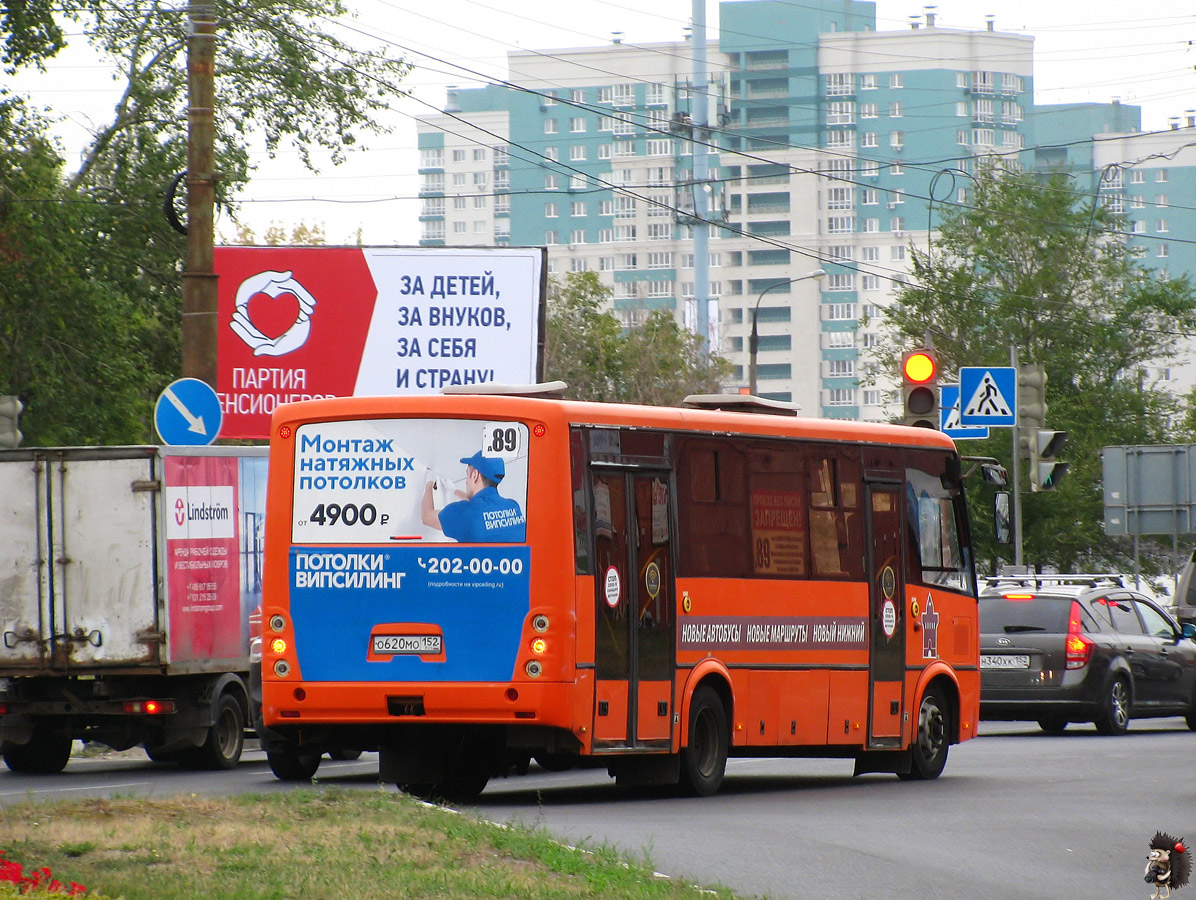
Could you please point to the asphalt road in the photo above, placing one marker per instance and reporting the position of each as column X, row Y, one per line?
column 1016, row 815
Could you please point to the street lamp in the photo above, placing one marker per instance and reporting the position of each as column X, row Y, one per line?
column 754, row 339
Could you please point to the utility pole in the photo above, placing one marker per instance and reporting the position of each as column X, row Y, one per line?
column 199, row 279
column 700, row 113
column 1016, row 433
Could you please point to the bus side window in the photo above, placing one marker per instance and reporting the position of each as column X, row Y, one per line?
column 836, row 536
column 581, row 519
column 780, row 548
column 713, row 509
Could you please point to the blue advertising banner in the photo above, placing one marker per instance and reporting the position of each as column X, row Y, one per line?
column 428, row 613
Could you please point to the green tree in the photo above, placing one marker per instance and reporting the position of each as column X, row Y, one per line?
column 1031, row 262
column 654, row 362
column 282, row 81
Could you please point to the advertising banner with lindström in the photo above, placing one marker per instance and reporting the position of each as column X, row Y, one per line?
column 297, row 323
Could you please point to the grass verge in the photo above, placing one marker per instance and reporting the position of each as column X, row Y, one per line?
column 312, row 844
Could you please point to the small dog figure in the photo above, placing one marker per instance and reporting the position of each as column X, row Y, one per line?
column 1168, row 866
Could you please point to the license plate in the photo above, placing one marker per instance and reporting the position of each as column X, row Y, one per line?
column 1005, row 661
column 394, row 644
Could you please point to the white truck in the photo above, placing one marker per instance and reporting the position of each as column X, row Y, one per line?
column 127, row 580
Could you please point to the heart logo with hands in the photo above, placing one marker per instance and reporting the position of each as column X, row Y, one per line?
column 273, row 285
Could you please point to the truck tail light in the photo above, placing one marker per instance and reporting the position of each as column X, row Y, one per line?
column 1078, row 646
column 148, row 707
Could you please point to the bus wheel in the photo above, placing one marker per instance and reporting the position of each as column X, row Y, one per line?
column 293, row 765
column 704, row 761
column 932, row 741
column 342, row 754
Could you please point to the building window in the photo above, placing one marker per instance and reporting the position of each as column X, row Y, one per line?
column 840, row 281
column 897, row 223
column 870, row 282
column 840, row 225
column 895, row 109
column 659, row 288
column 897, row 252
column 982, row 110
column 479, row 154
column 1011, row 84
column 1160, row 201
column 660, row 231
column 548, row 98
column 961, row 79
column 606, row 263
column 872, row 397
column 840, row 368
column 431, row 158
column 577, row 182
column 577, row 236
column 869, row 168
column 839, row 198
column 839, row 340
column 623, row 94
column 458, row 156
column 841, row 397
column 869, row 139
column 1160, row 175
column 458, row 179
column 577, row 153
column 870, row 226
column 604, row 151
column 1137, row 176
column 839, row 312
column 654, row 94
column 896, row 168
column 840, row 140
column 577, row 208
column 982, row 82
column 660, row 147
column 841, row 251
column 479, row 226
column 551, row 182
column 841, row 112
column 459, row 202
column 984, row 137
column 550, row 210
column 895, row 80
column 867, row 82
column 550, row 237
column 550, row 126
column 897, row 140
column 870, row 254
column 625, row 232
column 867, row 110
column 480, row 179
column 577, row 125
column 459, row 228
column 838, row 84
column 577, row 265
column 551, row 153
column 660, row 260
column 1139, row 227
column 1161, row 252
column 1160, row 225
column 479, row 202
column 502, row 155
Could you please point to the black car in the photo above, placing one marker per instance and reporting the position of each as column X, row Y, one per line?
column 1070, row 648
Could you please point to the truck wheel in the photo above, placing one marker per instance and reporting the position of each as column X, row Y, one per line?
column 45, row 754
column 704, row 761
column 293, row 765
column 226, row 737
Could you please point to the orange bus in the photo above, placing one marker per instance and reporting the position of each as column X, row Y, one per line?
column 471, row 581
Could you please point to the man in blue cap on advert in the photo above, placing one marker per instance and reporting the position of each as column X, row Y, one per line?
column 484, row 515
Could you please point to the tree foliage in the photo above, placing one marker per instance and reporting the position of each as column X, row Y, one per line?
column 1034, row 264
column 654, row 362
column 283, row 80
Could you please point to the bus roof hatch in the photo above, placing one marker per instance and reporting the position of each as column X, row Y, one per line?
column 494, row 388
column 746, row 403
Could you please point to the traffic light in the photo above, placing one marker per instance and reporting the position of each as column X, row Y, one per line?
column 10, row 410
column 1045, row 472
column 920, row 389
column 1031, row 397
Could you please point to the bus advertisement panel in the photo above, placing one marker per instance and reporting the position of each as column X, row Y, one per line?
column 671, row 588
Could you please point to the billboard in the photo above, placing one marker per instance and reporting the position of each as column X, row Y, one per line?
column 298, row 323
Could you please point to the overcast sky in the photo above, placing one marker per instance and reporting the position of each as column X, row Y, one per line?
column 1095, row 50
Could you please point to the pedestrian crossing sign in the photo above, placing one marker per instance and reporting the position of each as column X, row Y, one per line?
column 988, row 395
column 949, row 423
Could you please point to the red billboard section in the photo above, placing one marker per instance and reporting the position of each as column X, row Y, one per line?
column 293, row 324
column 202, row 560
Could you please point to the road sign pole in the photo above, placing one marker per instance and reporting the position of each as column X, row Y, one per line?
column 1015, row 433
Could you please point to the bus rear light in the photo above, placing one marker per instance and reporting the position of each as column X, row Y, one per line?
column 278, row 646
column 282, row 668
column 512, row 695
column 284, row 432
column 540, row 623
column 277, row 623
column 148, row 707
column 3, row 709
column 539, row 429
column 533, row 668
column 1019, row 596
column 539, row 646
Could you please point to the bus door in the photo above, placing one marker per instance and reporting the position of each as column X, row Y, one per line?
column 635, row 607
column 886, row 593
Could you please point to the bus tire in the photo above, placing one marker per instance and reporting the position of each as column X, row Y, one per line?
column 45, row 754
column 293, row 765
column 933, row 738
column 704, row 760
column 343, row 754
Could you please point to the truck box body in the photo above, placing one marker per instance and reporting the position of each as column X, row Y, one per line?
column 119, row 563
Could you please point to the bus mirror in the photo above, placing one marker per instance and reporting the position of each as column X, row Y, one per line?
column 994, row 474
column 1002, row 530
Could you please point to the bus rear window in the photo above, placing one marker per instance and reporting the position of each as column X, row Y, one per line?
column 374, row 481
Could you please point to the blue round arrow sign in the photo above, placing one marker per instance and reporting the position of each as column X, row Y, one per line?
column 188, row 414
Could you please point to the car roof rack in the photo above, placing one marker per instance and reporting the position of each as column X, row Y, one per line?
column 1057, row 580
